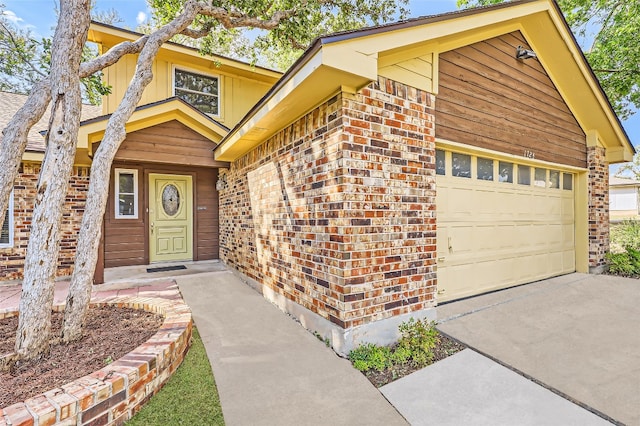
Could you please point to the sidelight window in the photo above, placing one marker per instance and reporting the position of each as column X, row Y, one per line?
column 126, row 193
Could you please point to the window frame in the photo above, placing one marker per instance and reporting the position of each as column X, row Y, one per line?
column 12, row 226
column 204, row 74
column 116, row 193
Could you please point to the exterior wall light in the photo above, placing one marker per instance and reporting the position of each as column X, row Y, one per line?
column 522, row 53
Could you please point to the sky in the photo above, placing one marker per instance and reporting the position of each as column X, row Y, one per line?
column 39, row 16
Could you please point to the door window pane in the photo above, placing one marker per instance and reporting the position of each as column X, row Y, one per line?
column 506, row 172
column 461, row 165
column 567, row 181
column 524, row 175
column 485, row 169
column 540, row 178
column 440, row 162
column 554, row 179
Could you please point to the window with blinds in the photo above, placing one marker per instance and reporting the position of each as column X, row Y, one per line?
column 6, row 234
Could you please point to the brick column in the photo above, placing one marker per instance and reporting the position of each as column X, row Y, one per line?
column 335, row 214
column 598, row 185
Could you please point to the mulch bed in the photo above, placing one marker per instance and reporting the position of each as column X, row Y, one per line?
column 444, row 348
column 110, row 333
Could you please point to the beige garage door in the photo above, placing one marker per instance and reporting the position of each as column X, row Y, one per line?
column 500, row 224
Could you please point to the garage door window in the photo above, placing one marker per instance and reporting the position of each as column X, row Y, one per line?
column 540, row 178
column 506, row 172
column 461, row 165
column 554, row 179
column 567, row 181
column 440, row 162
column 485, row 169
column 524, row 175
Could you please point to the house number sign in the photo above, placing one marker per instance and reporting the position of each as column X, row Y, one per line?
column 529, row 154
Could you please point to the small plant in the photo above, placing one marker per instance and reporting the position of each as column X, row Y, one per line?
column 108, row 360
column 371, row 357
column 419, row 338
column 626, row 263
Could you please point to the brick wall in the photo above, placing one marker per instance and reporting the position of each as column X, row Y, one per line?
column 12, row 259
column 598, row 184
column 337, row 212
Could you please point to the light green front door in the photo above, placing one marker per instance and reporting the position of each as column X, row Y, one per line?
column 170, row 217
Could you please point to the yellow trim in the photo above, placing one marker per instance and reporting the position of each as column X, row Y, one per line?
column 36, row 157
column 468, row 149
column 151, row 116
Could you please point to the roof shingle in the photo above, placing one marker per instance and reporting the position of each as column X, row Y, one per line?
column 11, row 102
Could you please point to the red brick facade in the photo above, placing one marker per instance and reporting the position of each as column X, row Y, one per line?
column 12, row 259
column 337, row 212
column 598, row 184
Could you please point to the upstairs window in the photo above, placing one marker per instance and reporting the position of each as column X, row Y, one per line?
column 6, row 233
column 126, row 193
column 201, row 91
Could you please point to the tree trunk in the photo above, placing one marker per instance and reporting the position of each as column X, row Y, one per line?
column 90, row 231
column 34, row 324
column 14, row 139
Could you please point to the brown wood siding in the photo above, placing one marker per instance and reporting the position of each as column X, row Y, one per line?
column 206, row 214
column 489, row 99
column 126, row 240
column 169, row 143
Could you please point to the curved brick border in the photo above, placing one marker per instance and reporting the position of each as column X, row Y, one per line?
column 112, row 395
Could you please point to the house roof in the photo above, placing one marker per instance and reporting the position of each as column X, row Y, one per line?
column 350, row 60
column 109, row 35
column 10, row 103
column 622, row 181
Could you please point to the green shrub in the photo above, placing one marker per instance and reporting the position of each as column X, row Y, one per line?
column 419, row 338
column 417, row 342
column 625, row 234
column 371, row 357
column 625, row 263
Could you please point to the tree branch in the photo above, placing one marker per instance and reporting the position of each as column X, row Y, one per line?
column 615, row 71
column 14, row 46
column 112, row 56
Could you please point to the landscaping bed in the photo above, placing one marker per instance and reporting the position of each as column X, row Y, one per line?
column 420, row 345
column 110, row 333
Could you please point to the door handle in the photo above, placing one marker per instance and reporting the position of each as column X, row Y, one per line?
column 152, row 227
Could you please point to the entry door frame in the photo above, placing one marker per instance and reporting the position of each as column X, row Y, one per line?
column 147, row 197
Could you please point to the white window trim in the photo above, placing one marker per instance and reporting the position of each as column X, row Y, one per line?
column 11, row 223
column 116, row 191
column 197, row 71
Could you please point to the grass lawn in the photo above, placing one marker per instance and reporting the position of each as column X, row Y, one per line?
column 190, row 397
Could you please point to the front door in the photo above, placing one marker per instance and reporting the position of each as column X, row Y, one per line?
column 170, row 218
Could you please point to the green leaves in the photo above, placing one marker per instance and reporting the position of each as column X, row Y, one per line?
column 281, row 46
column 24, row 60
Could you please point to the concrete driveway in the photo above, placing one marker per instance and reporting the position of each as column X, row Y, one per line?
column 577, row 335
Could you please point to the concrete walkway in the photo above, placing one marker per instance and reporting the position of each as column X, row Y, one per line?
column 577, row 334
column 470, row 389
column 562, row 333
column 271, row 371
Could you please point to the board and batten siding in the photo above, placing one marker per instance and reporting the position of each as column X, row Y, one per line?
column 237, row 94
column 487, row 98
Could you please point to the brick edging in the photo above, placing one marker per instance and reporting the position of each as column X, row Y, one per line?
column 113, row 394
